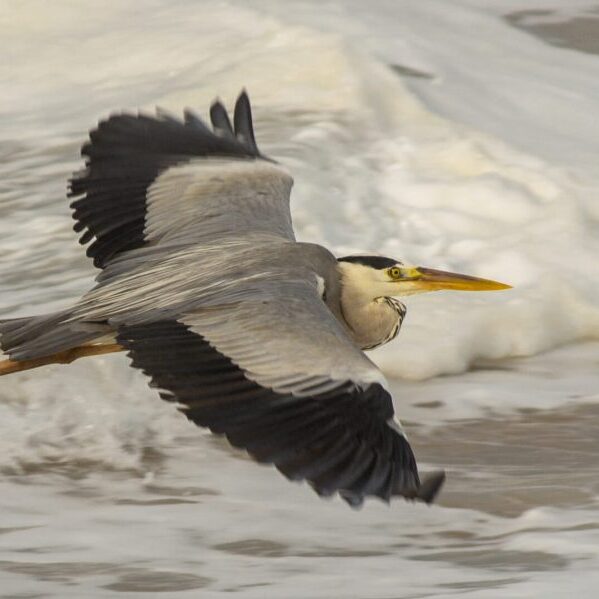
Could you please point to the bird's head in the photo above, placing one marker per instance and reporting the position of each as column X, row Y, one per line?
column 385, row 277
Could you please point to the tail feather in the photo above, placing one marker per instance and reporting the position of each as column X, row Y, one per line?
column 38, row 336
column 15, row 331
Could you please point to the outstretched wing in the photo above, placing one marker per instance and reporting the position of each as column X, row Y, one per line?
column 277, row 374
column 156, row 179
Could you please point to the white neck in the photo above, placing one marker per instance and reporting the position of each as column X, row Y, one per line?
column 373, row 319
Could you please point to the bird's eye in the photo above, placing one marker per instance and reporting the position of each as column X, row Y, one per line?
column 394, row 273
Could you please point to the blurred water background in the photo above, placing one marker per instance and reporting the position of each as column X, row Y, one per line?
column 459, row 135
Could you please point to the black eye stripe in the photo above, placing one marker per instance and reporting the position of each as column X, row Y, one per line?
column 378, row 262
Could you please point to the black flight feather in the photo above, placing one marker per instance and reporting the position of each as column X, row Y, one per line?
column 339, row 441
column 124, row 156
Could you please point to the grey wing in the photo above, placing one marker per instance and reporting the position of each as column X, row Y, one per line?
column 277, row 374
column 152, row 180
column 211, row 199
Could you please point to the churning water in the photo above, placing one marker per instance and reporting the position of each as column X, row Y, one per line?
column 462, row 137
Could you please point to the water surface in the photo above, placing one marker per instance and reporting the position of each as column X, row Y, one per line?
column 455, row 138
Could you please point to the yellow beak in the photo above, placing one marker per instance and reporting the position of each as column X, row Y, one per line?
column 428, row 279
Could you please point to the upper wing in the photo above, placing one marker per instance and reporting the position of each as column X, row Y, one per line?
column 279, row 377
column 155, row 179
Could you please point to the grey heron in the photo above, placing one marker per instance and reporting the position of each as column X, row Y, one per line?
column 254, row 335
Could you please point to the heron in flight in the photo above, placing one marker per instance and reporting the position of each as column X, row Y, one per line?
column 254, row 335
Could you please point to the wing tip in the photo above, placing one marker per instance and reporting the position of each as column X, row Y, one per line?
column 243, row 122
column 220, row 120
column 430, row 487
column 427, row 492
